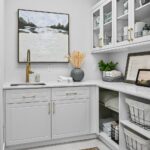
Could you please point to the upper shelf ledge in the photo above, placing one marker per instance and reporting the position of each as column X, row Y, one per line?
column 123, row 48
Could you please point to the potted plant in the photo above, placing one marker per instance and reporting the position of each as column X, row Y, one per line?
column 76, row 59
column 106, row 68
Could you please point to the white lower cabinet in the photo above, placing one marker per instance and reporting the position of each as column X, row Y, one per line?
column 70, row 118
column 37, row 115
column 28, row 117
column 27, row 122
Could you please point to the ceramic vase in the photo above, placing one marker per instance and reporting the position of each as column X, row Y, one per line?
column 77, row 74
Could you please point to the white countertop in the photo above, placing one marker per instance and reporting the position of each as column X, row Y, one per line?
column 7, row 86
column 126, row 88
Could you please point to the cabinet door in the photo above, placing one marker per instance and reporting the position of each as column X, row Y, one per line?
column 141, row 20
column 123, row 22
column 70, row 118
column 28, row 122
column 107, row 24
column 96, row 28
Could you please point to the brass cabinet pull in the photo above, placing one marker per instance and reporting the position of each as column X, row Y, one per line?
column 49, row 108
column 24, row 97
column 130, row 39
column 71, row 94
column 129, row 35
column 53, row 108
column 131, row 30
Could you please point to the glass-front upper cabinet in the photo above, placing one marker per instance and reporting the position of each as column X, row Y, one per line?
column 141, row 19
column 123, row 25
column 107, row 24
column 120, row 23
column 96, row 28
column 102, row 25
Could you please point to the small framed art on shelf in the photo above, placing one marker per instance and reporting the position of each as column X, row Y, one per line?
column 143, row 77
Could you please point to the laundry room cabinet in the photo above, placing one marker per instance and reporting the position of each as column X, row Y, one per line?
column 120, row 24
column 70, row 118
column 28, row 117
column 46, row 114
column 71, row 115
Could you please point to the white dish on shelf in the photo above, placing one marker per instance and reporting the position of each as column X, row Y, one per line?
column 139, row 26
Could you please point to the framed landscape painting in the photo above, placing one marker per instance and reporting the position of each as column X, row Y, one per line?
column 46, row 34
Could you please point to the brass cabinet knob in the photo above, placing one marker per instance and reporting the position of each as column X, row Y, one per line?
column 131, row 31
column 129, row 35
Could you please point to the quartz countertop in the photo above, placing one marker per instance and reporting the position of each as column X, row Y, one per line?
column 122, row 87
column 52, row 84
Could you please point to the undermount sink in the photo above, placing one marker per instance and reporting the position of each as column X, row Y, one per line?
column 27, row 84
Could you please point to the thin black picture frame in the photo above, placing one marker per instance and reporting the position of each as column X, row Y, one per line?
column 128, row 61
column 22, row 62
column 137, row 83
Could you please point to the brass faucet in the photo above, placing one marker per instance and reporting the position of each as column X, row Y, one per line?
column 28, row 66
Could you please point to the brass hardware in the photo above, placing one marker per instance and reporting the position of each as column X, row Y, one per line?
column 28, row 97
column 129, row 35
column 53, row 108
column 49, row 108
column 131, row 30
column 71, row 94
column 28, row 66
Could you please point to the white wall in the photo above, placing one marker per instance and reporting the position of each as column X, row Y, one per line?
column 1, row 68
column 80, row 38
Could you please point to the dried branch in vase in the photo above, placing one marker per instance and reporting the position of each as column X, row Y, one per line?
column 76, row 58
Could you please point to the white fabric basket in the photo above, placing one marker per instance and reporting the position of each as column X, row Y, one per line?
column 135, row 142
column 139, row 112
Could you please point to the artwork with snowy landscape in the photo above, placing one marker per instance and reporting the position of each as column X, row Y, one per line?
column 46, row 34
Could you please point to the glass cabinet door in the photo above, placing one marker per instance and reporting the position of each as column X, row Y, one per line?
column 122, row 21
column 107, row 24
column 96, row 29
column 141, row 19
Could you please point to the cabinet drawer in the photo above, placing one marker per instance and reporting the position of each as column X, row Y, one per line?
column 27, row 95
column 70, row 93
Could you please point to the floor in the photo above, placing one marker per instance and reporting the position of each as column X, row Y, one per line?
column 76, row 146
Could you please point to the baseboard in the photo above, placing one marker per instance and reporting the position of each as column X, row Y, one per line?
column 53, row 142
column 111, row 145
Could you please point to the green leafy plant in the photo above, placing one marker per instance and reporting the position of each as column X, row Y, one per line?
column 107, row 66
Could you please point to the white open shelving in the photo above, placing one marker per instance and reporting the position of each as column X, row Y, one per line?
column 107, row 115
column 123, row 118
